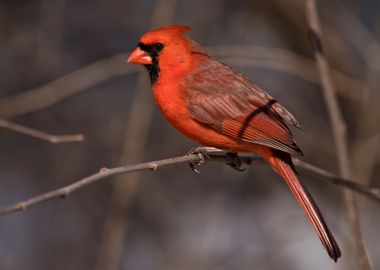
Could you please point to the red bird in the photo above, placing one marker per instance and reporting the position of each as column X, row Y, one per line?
column 217, row 106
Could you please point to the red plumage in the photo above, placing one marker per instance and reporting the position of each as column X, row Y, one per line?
column 216, row 106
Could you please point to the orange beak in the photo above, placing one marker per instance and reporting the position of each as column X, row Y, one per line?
column 138, row 56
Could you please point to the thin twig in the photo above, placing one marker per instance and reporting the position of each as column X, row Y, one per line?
column 196, row 158
column 39, row 134
column 338, row 128
column 93, row 74
column 103, row 173
column 372, row 193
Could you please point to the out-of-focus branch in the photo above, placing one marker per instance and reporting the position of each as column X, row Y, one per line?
column 39, row 134
column 292, row 15
column 125, row 187
column 286, row 61
column 367, row 133
column 199, row 158
column 84, row 78
column 73, row 83
column 359, row 36
column 338, row 128
column 136, row 133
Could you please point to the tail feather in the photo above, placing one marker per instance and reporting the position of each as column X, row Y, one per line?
column 282, row 163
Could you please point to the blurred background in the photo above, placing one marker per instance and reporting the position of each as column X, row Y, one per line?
column 63, row 71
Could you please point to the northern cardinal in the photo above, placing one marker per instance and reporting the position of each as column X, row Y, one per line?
column 213, row 104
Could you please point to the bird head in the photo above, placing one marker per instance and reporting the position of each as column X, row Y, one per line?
column 154, row 43
column 164, row 51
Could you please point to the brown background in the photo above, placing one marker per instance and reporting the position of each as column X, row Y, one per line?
column 174, row 218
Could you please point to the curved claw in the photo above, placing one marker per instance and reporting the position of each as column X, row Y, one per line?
column 192, row 166
column 234, row 162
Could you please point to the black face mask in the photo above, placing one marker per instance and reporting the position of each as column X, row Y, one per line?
column 153, row 51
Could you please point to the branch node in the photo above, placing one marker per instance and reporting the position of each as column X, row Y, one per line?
column 80, row 137
column 103, row 170
column 152, row 166
column 21, row 207
column 65, row 193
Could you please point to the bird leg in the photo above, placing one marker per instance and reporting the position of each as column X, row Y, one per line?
column 234, row 161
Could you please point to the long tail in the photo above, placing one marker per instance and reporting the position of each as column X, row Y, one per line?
column 282, row 163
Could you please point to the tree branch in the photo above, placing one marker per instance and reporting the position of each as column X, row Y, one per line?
column 198, row 158
column 338, row 128
column 39, row 134
column 372, row 193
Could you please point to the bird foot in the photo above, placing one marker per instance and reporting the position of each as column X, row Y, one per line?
column 203, row 152
column 234, row 161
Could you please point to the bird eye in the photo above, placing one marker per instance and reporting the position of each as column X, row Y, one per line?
column 158, row 46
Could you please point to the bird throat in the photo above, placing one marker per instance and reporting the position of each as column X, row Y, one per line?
column 153, row 70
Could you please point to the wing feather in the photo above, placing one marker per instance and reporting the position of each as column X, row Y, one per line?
column 228, row 102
